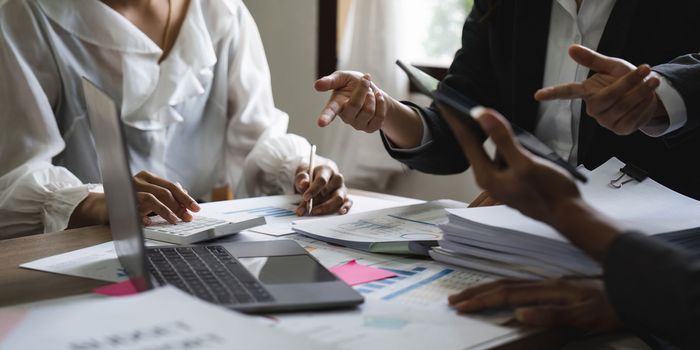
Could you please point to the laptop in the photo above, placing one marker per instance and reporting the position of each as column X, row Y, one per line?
column 267, row 276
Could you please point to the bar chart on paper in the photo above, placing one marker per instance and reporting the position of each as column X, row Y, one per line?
column 420, row 284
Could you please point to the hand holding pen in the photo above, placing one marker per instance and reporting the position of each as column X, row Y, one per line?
column 322, row 188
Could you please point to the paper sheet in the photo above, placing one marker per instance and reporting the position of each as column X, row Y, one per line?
column 409, row 223
column 419, row 282
column 97, row 262
column 145, row 321
column 379, row 325
column 646, row 207
column 279, row 210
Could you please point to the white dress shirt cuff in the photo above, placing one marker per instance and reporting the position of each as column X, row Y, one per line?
column 59, row 206
column 271, row 166
column 427, row 137
column 675, row 107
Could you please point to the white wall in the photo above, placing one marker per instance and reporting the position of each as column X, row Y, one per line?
column 289, row 32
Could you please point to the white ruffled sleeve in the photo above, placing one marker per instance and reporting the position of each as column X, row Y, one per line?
column 38, row 197
column 35, row 196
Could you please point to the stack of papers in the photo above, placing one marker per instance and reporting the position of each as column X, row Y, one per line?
column 503, row 241
column 165, row 318
column 411, row 229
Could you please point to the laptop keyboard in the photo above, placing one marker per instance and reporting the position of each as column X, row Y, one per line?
column 208, row 272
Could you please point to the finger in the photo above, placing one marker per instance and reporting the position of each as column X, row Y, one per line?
column 166, row 197
column 634, row 118
column 345, row 208
column 177, row 192
column 301, row 182
column 353, row 106
column 593, row 60
column 470, row 292
column 644, row 92
column 562, row 92
column 331, row 205
column 367, row 113
column 336, row 181
column 331, row 109
column 149, row 203
column 336, row 80
column 498, row 129
column 376, row 122
column 610, row 96
column 301, row 209
column 516, row 295
column 471, row 146
column 321, row 176
column 476, row 202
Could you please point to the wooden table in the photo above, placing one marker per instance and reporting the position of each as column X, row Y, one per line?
column 19, row 285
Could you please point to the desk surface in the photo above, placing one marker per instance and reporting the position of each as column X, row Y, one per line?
column 18, row 285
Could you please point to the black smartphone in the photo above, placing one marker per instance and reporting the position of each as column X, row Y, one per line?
column 460, row 105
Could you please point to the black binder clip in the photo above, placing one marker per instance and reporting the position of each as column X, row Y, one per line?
column 634, row 174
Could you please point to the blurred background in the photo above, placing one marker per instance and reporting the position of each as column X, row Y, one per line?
column 306, row 39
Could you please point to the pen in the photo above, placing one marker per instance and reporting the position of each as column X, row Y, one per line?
column 311, row 177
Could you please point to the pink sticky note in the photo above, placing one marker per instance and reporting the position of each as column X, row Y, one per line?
column 117, row 289
column 353, row 273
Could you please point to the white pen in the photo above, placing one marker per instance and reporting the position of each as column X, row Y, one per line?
column 311, row 177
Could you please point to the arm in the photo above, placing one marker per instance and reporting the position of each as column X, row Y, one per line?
column 655, row 288
column 35, row 196
column 471, row 73
column 682, row 74
column 625, row 99
column 364, row 106
column 652, row 286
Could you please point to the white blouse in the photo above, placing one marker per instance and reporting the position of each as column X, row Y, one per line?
column 204, row 117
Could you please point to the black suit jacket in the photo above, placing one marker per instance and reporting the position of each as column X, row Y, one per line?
column 501, row 65
column 655, row 290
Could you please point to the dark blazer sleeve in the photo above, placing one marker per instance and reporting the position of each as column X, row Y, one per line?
column 655, row 288
column 684, row 75
column 471, row 72
column 441, row 155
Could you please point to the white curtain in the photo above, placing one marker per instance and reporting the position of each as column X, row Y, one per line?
column 370, row 45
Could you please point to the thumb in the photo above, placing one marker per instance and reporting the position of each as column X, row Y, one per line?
column 499, row 130
column 593, row 60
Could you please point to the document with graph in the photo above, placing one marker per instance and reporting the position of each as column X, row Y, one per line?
column 411, row 229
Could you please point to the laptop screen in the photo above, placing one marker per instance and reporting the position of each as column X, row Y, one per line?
column 118, row 184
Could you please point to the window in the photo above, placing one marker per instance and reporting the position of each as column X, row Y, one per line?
column 431, row 32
